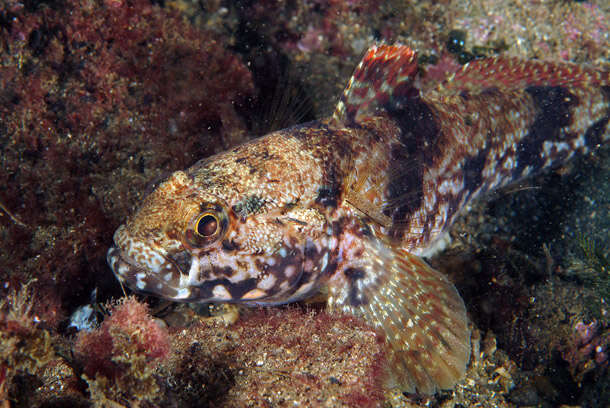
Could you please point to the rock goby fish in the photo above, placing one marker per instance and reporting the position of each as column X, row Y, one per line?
column 347, row 205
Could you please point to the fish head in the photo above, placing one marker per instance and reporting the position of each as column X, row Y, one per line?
column 188, row 243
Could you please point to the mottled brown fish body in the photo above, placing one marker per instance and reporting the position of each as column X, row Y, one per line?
column 346, row 205
column 449, row 149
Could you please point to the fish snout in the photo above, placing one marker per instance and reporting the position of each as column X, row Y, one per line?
column 145, row 269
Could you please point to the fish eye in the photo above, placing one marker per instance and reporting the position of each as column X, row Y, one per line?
column 207, row 225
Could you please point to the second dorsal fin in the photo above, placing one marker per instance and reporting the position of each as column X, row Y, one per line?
column 384, row 75
column 512, row 73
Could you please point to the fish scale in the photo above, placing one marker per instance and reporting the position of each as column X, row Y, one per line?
column 346, row 205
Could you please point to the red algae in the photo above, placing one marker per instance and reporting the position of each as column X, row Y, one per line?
column 119, row 359
column 92, row 93
column 280, row 357
column 129, row 321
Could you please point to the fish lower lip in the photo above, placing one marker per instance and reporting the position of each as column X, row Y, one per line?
column 164, row 283
column 121, row 265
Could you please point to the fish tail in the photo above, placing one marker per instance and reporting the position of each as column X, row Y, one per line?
column 419, row 311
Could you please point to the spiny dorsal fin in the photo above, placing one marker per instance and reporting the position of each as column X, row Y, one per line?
column 513, row 73
column 419, row 310
column 385, row 73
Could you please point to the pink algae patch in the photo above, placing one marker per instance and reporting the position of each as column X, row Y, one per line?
column 129, row 326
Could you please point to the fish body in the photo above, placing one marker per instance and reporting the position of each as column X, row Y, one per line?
column 347, row 205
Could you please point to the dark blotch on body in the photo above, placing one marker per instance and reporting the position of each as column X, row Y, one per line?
column 236, row 289
column 356, row 298
column 229, row 245
column 593, row 135
column 249, row 205
column 327, row 196
column 554, row 112
column 473, row 171
column 416, row 151
column 278, row 269
column 226, row 271
column 330, row 192
column 182, row 260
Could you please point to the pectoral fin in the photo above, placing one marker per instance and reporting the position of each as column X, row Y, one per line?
column 419, row 310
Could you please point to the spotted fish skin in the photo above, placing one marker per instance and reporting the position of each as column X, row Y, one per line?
column 346, row 205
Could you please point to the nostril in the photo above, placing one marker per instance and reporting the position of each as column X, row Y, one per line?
column 183, row 261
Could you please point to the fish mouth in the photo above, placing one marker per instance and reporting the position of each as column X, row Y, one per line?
column 146, row 271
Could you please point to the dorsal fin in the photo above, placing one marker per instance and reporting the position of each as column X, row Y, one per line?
column 512, row 73
column 385, row 74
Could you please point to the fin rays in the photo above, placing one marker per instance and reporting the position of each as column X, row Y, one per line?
column 418, row 309
column 359, row 185
column 512, row 73
column 385, row 71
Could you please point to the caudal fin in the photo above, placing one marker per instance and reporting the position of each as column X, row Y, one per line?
column 419, row 310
